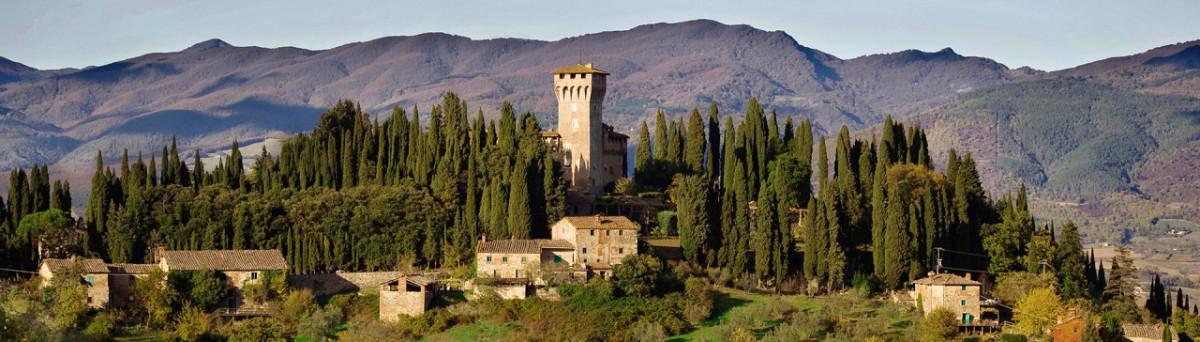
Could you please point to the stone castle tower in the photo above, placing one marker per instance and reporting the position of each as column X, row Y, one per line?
column 593, row 155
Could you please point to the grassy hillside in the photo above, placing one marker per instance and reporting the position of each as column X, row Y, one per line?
column 1112, row 159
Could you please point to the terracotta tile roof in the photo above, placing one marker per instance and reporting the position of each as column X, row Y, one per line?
column 599, row 266
column 580, row 69
column 131, row 268
column 557, row 244
column 946, row 279
column 225, row 260
column 1152, row 331
column 415, row 279
column 601, row 222
column 88, row 265
column 521, row 246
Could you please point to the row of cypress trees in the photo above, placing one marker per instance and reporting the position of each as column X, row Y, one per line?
column 451, row 178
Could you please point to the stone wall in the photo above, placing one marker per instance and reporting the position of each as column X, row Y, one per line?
column 97, row 292
column 498, row 267
column 331, row 283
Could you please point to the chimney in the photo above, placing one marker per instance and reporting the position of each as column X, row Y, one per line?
column 931, row 274
column 968, row 276
column 589, row 65
column 1071, row 313
column 158, row 254
column 1059, row 319
column 482, row 238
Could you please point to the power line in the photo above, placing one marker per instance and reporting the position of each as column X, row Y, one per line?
column 16, row 270
column 966, row 253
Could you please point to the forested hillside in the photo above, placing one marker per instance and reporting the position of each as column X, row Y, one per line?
column 1081, row 143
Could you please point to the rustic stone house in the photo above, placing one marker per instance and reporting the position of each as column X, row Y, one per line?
column 108, row 285
column 94, row 273
column 240, row 267
column 1146, row 332
column 407, row 295
column 598, row 239
column 585, row 246
column 945, row 290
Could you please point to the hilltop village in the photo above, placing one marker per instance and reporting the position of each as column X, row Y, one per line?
column 440, row 225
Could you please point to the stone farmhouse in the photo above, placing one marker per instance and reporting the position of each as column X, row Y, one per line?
column 240, row 267
column 111, row 285
column 108, row 285
column 584, row 246
column 407, row 295
column 945, row 290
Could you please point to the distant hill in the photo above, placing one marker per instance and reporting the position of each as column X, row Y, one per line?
column 213, row 92
column 1102, row 153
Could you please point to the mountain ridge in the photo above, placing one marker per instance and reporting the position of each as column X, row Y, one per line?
column 674, row 66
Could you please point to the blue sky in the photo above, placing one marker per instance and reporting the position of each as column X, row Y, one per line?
column 1046, row 34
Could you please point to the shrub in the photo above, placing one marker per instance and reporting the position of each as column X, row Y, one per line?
column 646, row 332
column 192, row 324
column 939, row 325
column 638, row 275
column 318, row 325
column 374, row 331
column 668, row 223
column 100, row 329
column 299, row 304
column 259, row 329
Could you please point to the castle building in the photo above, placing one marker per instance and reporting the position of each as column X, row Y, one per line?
column 592, row 153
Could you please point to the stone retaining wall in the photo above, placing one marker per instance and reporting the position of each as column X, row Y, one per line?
column 331, row 283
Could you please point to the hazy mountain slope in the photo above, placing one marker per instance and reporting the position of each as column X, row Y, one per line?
column 1103, row 152
column 1171, row 69
column 212, row 93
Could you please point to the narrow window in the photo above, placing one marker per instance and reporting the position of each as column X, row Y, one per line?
column 585, row 250
column 620, row 232
column 592, row 232
column 964, row 287
column 620, row 251
column 504, row 259
column 522, row 259
column 607, row 232
column 91, row 280
column 489, row 259
column 964, row 302
column 253, row 275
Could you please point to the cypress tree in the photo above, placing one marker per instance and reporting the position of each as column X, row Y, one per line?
column 695, row 144
column 508, row 135
column 835, row 260
column 878, row 219
column 643, row 157
column 713, row 158
column 674, row 147
column 768, row 225
column 660, row 136
column 519, row 214
column 896, row 240
column 693, row 217
column 822, row 164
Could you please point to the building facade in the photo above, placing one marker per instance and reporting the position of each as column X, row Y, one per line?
column 598, row 240
column 958, row 294
column 108, row 285
column 580, row 247
column 592, row 153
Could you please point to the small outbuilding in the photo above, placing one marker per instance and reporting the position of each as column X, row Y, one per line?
column 408, row 295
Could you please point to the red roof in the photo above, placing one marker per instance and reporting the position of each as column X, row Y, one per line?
column 225, row 260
